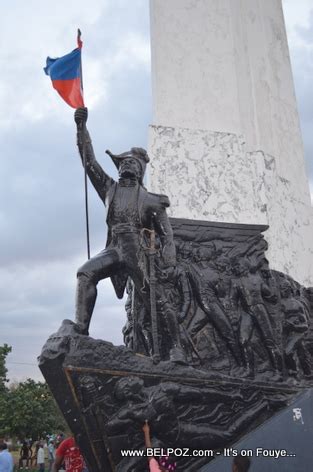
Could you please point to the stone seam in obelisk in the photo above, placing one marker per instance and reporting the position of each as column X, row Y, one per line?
column 225, row 140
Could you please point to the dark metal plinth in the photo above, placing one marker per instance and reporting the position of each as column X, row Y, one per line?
column 291, row 430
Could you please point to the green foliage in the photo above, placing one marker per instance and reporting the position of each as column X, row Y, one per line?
column 4, row 351
column 30, row 411
column 27, row 409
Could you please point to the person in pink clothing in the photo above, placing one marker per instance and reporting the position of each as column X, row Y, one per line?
column 165, row 463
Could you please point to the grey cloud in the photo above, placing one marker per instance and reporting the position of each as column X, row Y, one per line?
column 307, row 33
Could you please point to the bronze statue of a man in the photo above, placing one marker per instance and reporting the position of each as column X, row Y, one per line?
column 130, row 209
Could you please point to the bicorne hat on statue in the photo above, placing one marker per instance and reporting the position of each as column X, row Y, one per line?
column 139, row 154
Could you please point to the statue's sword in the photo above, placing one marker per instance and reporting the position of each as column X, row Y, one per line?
column 134, row 317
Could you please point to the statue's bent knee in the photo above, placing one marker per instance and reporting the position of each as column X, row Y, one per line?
column 86, row 275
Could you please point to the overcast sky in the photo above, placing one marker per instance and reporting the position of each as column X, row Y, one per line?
column 42, row 202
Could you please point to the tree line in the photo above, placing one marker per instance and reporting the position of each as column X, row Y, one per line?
column 27, row 409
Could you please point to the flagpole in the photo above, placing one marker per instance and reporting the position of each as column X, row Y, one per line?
column 86, row 187
column 79, row 44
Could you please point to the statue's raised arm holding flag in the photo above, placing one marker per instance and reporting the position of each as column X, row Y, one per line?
column 130, row 209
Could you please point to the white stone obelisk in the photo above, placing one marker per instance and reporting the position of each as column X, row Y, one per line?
column 225, row 140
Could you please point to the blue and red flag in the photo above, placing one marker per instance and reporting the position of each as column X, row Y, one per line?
column 66, row 75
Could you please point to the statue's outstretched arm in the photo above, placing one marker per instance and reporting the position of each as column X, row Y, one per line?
column 101, row 181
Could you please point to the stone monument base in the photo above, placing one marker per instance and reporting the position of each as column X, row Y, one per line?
column 107, row 392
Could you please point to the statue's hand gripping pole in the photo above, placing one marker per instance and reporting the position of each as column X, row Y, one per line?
column 151, row 252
